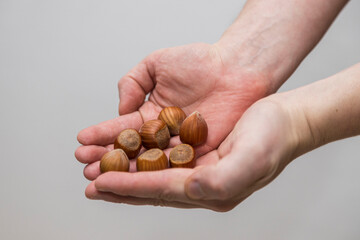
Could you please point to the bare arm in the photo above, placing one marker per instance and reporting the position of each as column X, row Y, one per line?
column 274, row 36
column 329, row 109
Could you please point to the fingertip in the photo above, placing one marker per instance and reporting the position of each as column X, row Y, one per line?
column 194, row 190
column 91, row 153
column 91, row 192
column 92, row 171
column 99, row 134
column 77, row 154
column 206, row 183
column 85, row 136
column 102, row 180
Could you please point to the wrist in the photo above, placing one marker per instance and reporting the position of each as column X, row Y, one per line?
column 252, row 60
column 324, row 111
column 261, row 48
column 296, row 139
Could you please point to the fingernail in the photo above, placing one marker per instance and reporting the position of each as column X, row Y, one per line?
column 195, row 191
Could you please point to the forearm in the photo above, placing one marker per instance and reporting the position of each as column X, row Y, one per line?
column 327, row 110
column 274, row 36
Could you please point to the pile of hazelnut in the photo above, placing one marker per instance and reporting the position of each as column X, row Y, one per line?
column 154, row 135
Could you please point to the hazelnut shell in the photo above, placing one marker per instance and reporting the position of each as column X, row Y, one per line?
column 129, row 140
column 194, row 130
column 173, row 117
column 115, row 160
column 151, row 160
column 154, row 134
column 182, row 156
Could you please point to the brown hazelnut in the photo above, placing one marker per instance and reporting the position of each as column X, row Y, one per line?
column 129, row 140
column 194, row 130
column 115, row 160
column 155, row 134
column 182, row 156
column 151, row 160
column 173, row 117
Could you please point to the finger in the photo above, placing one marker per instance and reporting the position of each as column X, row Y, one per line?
column 92, row 153
column 232, row 176
column 166, row 184
column 105, row 133
column 174, row 141
column 92, row 171
column 210, row 158
column 136, row 84
column 92, row 193
column 220, row 206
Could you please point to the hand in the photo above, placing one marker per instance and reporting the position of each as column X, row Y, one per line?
column 192, row 77
column 271, row 133
column 255, row 152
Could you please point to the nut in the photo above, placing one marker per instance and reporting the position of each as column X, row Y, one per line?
column 129, row 140
column 182, row 156
column 115, row 160
column 151, row 160
column 173, row 117
column 194, row 130
column 155, row 134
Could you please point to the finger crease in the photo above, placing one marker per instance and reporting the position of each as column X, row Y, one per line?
column 141, row 87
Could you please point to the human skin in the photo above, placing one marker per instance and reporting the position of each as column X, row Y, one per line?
column 251, row 60
column 272, row 132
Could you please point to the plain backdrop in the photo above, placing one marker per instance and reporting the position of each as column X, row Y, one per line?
column 59, row 66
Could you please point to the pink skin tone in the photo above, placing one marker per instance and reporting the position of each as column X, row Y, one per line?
column 221, row 81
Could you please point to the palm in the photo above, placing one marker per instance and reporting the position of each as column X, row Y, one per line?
column 194, row 78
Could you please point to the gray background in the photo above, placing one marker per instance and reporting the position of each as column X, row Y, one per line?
column 59, row 65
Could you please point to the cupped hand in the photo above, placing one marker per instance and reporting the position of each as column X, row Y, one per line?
column 262, row 143
column 192, row 77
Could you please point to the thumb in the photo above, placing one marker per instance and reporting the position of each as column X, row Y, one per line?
column 134, row 86
column 234, row 175
column 216, row 182
column 204, row 184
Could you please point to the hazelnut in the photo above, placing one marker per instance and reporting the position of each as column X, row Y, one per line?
column 155, row 134
column 151, row 160
column 194, row 130
column 173, row 117
column 129, row 140
column 115, row 160
column 182, row 156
